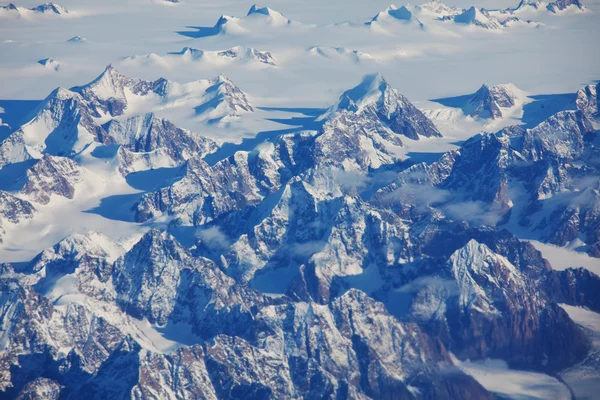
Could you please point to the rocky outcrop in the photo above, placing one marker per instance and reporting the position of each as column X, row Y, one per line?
column 483, row 303
column 148, row 133
column 561, row 5
column 477, row 17
column 587, row 100
column 489, row 101
column 576, row 287
column 52, row 176
column 12, row 211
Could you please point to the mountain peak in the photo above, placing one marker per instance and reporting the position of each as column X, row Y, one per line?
column 370, row 89
column 395, row 14
column 52, row 175
column 77, row 39
column 109, row 84
column 478, row 17
column 50, row 63
column 489, row 101
column 468, row 16
column 375, row 97
column 400, row 13
column 275, row 16
column 50, row 8
column 76, row 246
column 255, row 9
column 221, row 78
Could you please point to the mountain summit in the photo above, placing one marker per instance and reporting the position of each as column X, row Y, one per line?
column 375, row 97
column 489, row 101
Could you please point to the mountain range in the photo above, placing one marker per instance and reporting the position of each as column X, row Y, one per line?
column 323, row 263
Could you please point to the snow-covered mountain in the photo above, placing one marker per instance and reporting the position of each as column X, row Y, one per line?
column 294, row 264
column 375, row 98
column 52, row 176
column 237, row 54
column 50, row 63
column 542, row 180
column 13, row 211
column 394, row 15
column 70, row 122
column 437, row 9
column 11, row 10
column 50, row 8
column 340, row 53
column 561, row 5
column 77, row 40
column 309, row 239
column 587, row 100
column 258, row 19
column 478, row 17
column 147, row 133
column 489, row 101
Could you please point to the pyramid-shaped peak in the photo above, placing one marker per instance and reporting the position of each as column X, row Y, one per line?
column 76, row 245
column 50, row 8
column 274, row 17
column 369, row 85
column 478, row 17
column 189, row 50
column 498, row 91
column 468, row 16
column 156, row 235
column 77, row 39
column 400, row 13
column 376, row 98
column 489, row 100
column 109, row 81
column 109, row 74
column 155, row 244
column 221, row 79
column 255, row 9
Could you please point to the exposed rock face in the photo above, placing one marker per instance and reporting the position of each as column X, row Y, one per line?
column 486, row 297
column 10, row 7
column 52, row 176
column 237, row 53
column 438, row 8
column 358, row 136
column 524, row 4
column 278, row 347
column 63, row 127
column 51, row 8
column 577, row 287
column 311, row 274
column 489, row 101
column 552, row 163
column 560, row 5
column 477, row 17
column 587, row 100
column 147, row 133
column 47, row 8
column 205, row 193
column 225, row 100
column 375, row 98
column 13, row 210
column 50, row 63
column 67, row 123
column 393, row 13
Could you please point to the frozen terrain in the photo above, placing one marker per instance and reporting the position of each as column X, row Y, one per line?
column 315, row 199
